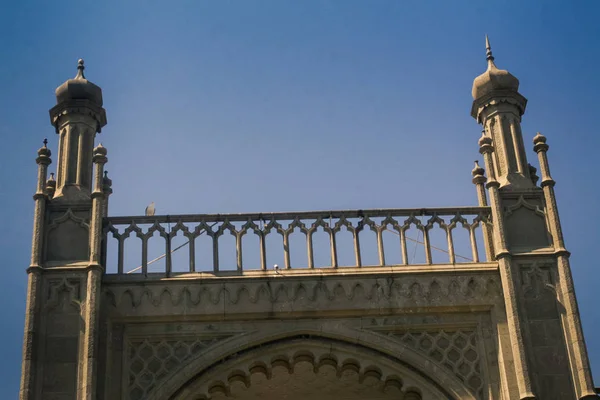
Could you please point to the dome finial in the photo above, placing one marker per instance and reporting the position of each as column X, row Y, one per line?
column 80, row 68
column 488, row 50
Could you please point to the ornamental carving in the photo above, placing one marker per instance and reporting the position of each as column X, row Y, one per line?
column 294, row 368
column 150, row 360
column 456, row 350
column 536, row 277
column 424, row 290
column 68, row 287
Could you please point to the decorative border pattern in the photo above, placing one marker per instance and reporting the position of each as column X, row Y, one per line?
column 418, row 289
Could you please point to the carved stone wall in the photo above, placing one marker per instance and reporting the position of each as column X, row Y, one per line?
column 67, row 236
column 457, row 350
column 526, row 222
column 547, row 351
column 317, row 294
column 150, row 360
column 168, row 330
column 302, row 367
column 60, row 339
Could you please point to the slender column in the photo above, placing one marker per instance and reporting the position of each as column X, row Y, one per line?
column 90, row 339
column 94, row 276
column 426, row 245
column 97, row 204
column 34, row 278
column 238, row 251
column 263, row 250
column 309, row 250
column 28, row 370
column 380, row 249
column 450, row 242
column 40, row 197
column 578, row 358
column 479, row 181
column 333, row 249
column 107, row 189
column 357, row 256
column 507, row 276
column 515, row 134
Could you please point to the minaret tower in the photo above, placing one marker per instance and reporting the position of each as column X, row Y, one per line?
column 77, row 117
column 544, row 354
column 498, row 106
column 59, row 349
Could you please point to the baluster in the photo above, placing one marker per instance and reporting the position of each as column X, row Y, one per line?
column 238, row 249
column 192, row 251
column 379, row 231
column 168, row 263
column 473, row 243
column 403, row 246
column 309, row 249
column 286, row 249
column 333, row 248
column 263, row 250
column 145, row 255
column 120, row 254
column 426, row 245
column 215, row 252
column 357, row 254
column 451, row 254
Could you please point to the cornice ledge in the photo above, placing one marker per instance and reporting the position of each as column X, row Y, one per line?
column 497, row 97
column 85, row 107
column 317, row 273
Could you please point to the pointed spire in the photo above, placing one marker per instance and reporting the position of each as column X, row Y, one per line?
column 80, row 68
column 488, row 51
column 45, row 142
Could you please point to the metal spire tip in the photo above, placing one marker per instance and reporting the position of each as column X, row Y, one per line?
column 488, row 49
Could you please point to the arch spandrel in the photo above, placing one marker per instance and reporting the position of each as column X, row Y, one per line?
column 389, row 369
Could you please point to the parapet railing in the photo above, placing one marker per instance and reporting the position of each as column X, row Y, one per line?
column 357, row 222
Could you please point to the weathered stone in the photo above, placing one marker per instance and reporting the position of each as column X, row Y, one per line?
column 506, row 327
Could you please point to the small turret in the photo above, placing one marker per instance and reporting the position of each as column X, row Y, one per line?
column 51, row 186
column 77, row 117
column 498, row 106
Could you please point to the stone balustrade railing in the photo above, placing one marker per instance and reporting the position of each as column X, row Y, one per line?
column 448, row 221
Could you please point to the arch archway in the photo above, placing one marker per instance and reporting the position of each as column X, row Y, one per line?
column 301, row 366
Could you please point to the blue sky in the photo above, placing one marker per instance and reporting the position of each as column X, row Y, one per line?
column 237, row 106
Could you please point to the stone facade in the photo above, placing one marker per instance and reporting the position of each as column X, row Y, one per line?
column 500, row 325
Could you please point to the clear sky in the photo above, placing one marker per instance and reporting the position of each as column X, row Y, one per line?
column 234, row 106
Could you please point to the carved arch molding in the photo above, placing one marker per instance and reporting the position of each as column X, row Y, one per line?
column 304, row 367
